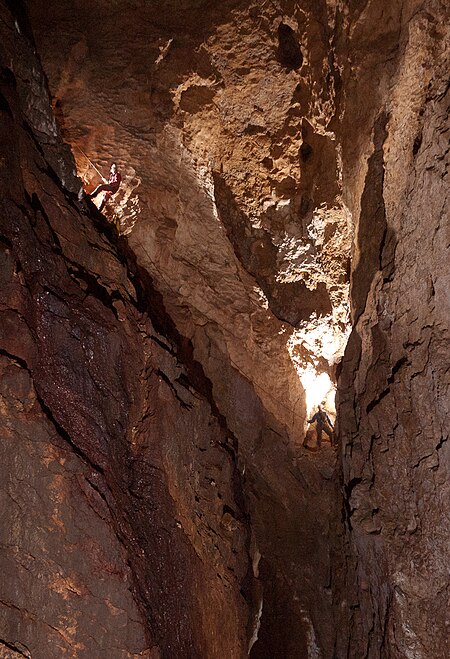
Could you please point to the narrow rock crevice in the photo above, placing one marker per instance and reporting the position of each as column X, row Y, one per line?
column 159, row 362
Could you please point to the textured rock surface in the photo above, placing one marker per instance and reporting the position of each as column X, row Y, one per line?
column 232, row 191
column 114, row 543
column 109, row 417
column 237, row 268
column 151, row 383
column 394, row 386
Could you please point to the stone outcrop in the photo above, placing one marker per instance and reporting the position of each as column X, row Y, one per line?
column 394, row 383
column 232, row 198
column 126, row 475
column 124, row 531
column 157, row 500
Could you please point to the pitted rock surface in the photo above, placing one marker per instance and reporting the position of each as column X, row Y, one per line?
column 232, row 199
column 393, row 390
column 159, row 500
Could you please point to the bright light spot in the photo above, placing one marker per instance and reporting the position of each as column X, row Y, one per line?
column 318, row 341
column 262, row 299
column 321, row 337
column 318, row 389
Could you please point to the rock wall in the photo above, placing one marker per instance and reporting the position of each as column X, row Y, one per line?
column 155, row 385
column 393, row 397
column 232, row 196
column 232, row 293
column 124, row 531
column 149, row 522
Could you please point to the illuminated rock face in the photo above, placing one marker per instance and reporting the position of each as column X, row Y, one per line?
column 221, row 121
column 188, row 466
column 167, row 376
column 116, row 541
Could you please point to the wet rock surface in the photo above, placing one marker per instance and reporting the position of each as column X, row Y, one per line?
column 110, row 525
column 231, row 198
column 135, row 523
column 158, row 498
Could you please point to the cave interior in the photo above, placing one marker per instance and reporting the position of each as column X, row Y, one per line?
column 278, row 241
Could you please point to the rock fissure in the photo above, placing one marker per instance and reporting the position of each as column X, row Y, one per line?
column 276, row 158
column 14, row 648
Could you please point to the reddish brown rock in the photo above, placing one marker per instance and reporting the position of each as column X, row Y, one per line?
column 222, row 290
column 113, row 537
column 231, row 195
column 156, row 386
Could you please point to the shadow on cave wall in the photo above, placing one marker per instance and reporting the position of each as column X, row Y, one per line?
column 376, row 241
column 290, row 302
column 289, row 53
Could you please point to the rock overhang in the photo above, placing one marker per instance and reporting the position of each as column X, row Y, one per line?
column 231, row 171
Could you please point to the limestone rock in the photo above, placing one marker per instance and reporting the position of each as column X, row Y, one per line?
column 156, row 385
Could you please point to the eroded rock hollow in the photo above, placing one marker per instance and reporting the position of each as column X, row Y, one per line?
column 281, row 232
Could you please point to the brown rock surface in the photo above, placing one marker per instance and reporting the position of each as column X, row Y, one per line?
column 394, row 387
column 113, row 539
column 156, row 386
column 232, row 194
column 237, row 295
